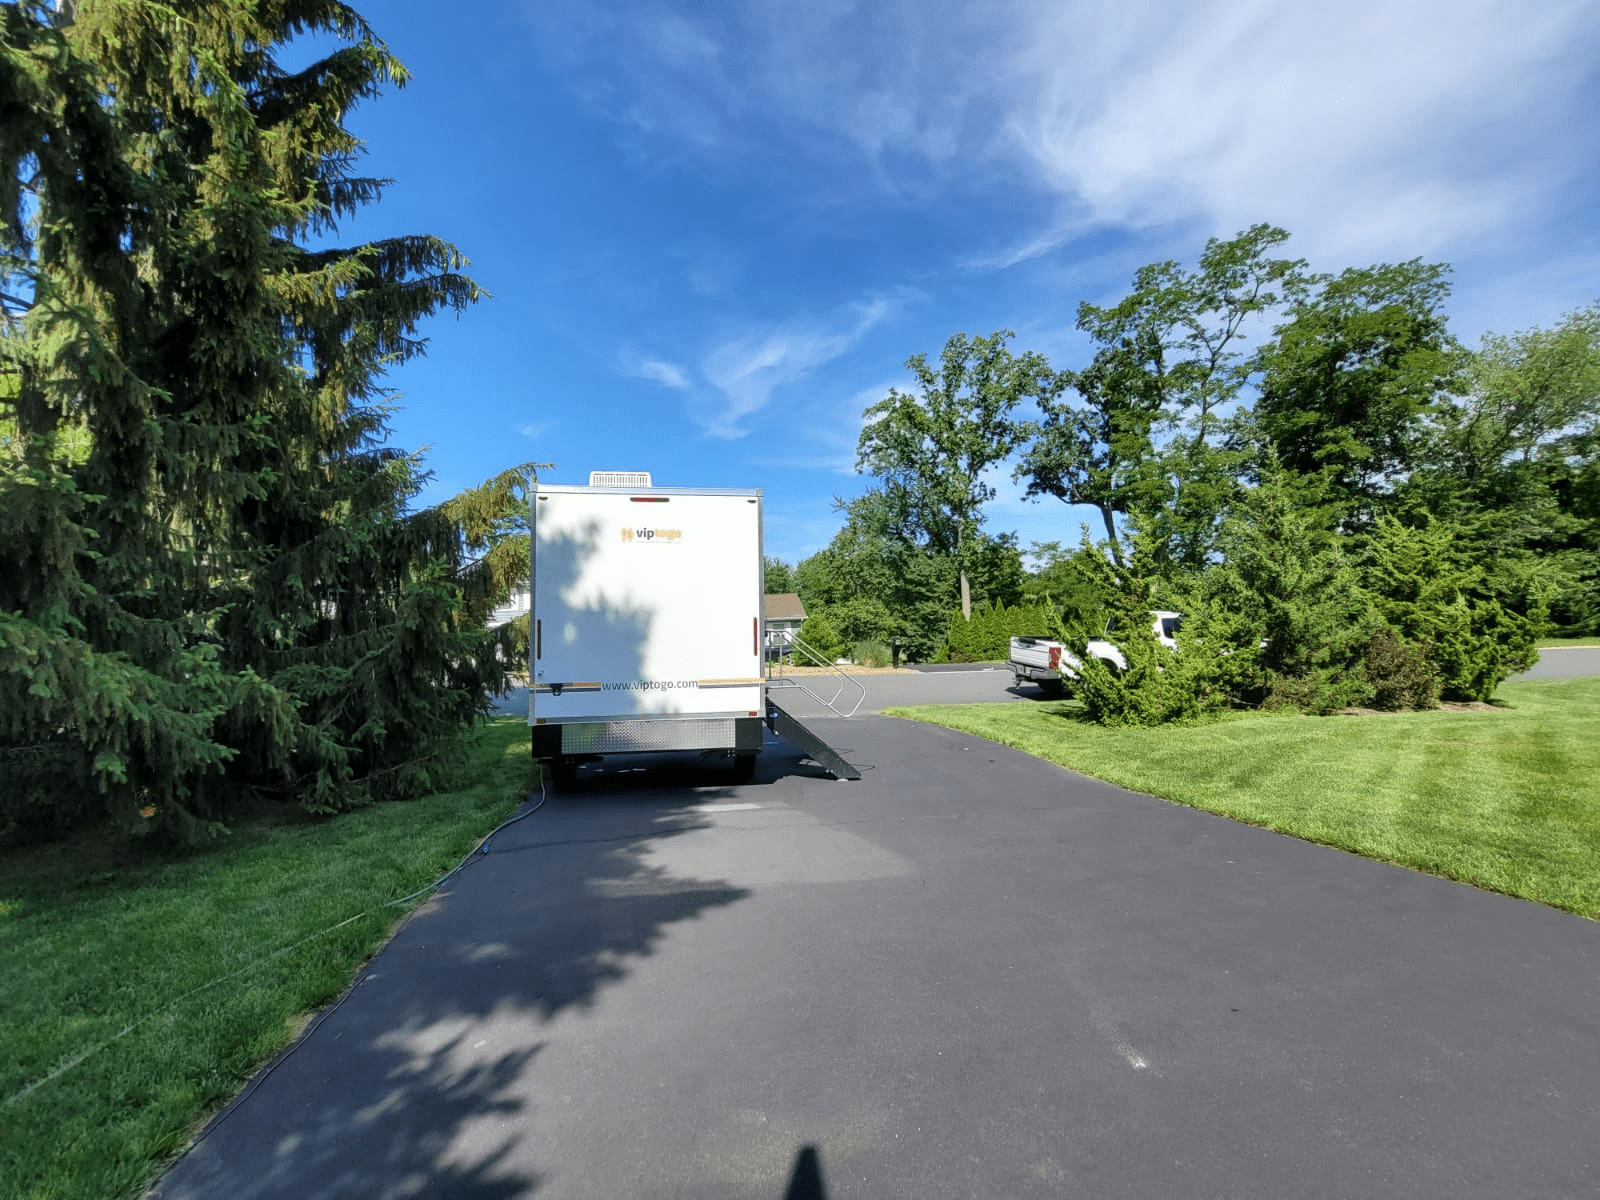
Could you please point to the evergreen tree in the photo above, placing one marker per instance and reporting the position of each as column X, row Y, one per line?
column 1433, row 593
column 211, row 576
column 1286, row 575
column 494, row 522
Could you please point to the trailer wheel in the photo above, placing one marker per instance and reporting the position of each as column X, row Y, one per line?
column 564, row 773
column 744, row 767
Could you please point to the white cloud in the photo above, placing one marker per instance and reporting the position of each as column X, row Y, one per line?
column 665, row 373
column 748, row 369
column 656, row 370
column 826, row 436
column 1368, row 128
column 1374, row 126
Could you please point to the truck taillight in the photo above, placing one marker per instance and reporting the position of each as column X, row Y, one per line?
column 1055, row 658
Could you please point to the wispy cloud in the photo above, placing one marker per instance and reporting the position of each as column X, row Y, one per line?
column 1324, row 118
column 830, row 433
column 1369, row 127
column 667, row 374
column 656, row 370
column 746, row 370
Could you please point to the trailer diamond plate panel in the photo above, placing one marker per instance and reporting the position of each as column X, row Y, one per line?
column 625, row 737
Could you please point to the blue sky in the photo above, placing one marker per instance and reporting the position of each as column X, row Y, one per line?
column 714, row 233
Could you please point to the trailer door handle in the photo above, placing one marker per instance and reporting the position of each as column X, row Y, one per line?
column 537, row 640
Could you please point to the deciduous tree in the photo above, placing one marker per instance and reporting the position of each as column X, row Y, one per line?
column 932, row 450
column 1348, row 377
column 1150, row 431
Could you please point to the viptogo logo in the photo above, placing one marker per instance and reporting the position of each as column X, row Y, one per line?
column 651, row 535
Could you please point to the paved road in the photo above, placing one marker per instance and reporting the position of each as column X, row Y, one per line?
column 971, row 974
column 1564, row 663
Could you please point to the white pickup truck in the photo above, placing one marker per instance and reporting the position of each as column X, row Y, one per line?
column 1050, row 664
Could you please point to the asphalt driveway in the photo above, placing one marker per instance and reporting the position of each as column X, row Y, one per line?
column 1564, row 662
column 970, row 974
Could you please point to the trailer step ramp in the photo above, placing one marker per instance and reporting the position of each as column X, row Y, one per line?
column 846, row 693
column 792, row 730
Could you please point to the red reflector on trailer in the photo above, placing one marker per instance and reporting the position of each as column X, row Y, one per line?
column 649, row 499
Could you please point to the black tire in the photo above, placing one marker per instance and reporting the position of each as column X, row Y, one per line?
column 744, row 768
column 1053, row 689
column 563, row 773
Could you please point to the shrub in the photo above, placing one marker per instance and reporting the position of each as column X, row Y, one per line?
column 871, row 654
column 1157, row 686
column 1436, row 598
column 987, row 636
column 819, row 633
column 1399, row 676
column 1320, row 691
column 861, row 619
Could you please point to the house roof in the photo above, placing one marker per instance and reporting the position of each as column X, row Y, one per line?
column 784, row 606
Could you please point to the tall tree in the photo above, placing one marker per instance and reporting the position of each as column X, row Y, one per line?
column 1347, row 378
column 777, row 576
column 932, row 449
column 1171, row 362
column 1515, row 462
column 212, row 574
column 1099, row 452
column 1527, row 394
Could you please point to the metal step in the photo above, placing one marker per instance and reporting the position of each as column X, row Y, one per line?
column 843, row 685
column 790, row 729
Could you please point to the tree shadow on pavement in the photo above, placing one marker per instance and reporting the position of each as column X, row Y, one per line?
column 423, row 1081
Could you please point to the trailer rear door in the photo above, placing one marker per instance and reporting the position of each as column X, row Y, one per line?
column 646, row 603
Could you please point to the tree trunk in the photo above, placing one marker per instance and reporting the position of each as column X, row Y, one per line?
column 966, row 597
column 1111, row 535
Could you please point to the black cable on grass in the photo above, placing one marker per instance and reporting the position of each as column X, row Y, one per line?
column 483, row 848
column 255, row 1083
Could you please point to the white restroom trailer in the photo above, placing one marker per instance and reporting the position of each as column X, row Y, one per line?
column 646, row 629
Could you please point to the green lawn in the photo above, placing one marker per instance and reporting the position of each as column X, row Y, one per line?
column 1507, row 800
column 213, row 960
column 1568, row 643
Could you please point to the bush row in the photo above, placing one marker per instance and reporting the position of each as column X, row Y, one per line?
column 986, row 637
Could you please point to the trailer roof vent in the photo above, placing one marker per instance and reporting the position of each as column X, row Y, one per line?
column 622, row 479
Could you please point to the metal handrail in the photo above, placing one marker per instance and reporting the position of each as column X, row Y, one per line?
column 814, row 657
